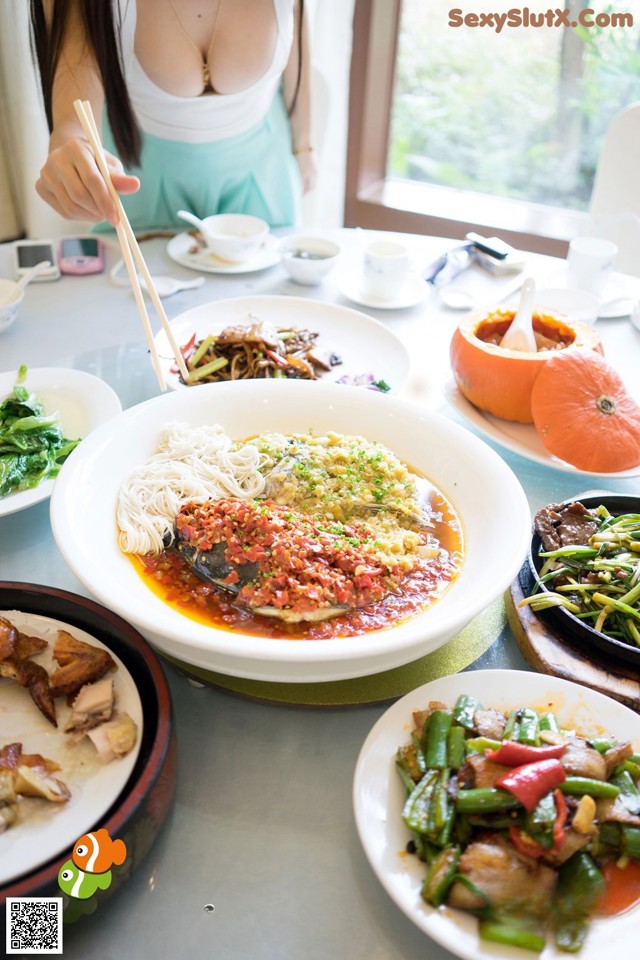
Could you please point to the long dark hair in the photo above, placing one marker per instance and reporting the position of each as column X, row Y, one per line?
column 100, row 28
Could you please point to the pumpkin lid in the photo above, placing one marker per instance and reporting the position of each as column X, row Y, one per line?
column 584, row 414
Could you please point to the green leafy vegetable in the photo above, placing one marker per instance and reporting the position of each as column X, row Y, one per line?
column 32, row 445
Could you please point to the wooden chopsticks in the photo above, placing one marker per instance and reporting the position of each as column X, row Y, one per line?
column 130, row 250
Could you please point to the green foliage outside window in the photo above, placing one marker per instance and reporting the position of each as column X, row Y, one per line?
column 518, row 114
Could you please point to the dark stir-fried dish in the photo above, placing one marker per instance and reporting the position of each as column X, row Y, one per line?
column 532, row 828
column 591, row 567
column 257, row 351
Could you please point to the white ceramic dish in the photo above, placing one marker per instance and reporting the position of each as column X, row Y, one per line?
column 476, row 480
column 414, row 291
column 520, row 438
column 82, row 401
column 365, row 345
column 179, row 249
column 44, row 829
column 378, row 797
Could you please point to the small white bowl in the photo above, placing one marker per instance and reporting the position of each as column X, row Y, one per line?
column 10, row 299
column 234, row 237
column 308, row 259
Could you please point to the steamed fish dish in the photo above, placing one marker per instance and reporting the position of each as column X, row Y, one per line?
column 310, row 536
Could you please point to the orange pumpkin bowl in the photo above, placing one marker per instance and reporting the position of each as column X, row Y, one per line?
column 500, row 381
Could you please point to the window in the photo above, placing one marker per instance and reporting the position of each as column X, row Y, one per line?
column 487, row 126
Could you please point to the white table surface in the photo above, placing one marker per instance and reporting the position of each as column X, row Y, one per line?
column 262, row 827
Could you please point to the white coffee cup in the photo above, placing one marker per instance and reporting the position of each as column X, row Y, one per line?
column 590, row 263
column 386, row 265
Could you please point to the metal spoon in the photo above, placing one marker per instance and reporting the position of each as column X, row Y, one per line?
column 520, row 336
column 24, row 280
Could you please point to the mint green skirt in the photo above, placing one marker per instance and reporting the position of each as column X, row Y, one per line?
column 254, row 172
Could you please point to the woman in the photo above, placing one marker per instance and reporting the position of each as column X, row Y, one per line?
column 208, row 98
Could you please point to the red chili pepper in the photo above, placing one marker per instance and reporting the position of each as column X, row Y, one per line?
column 530, row 782
column 525, row 844
column 514, row 754
column 184, row 351
column 276, row 359
column 561, row 819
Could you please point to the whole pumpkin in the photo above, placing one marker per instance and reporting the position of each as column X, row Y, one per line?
column 584, row 415
column 500, row 381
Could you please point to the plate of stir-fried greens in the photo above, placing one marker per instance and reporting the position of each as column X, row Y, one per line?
column 500, row 810
column 44, row 413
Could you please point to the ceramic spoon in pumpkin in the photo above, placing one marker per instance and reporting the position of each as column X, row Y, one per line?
column 520, row 336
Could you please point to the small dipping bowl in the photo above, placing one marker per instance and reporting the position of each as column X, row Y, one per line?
column 11, row 297
column 308, row 260
column 234, row 237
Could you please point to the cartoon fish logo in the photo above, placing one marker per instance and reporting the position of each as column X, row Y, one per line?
column 80, row 885
column 96, row 852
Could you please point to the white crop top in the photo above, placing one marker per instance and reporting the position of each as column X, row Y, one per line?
column 205, row 118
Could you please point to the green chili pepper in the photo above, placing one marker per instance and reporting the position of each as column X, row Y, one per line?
column 435, row 744
column 511, row 934
column 630, row 841
column 485, row 800
column 578, row 786
column 629, row 794
column 440, row 876
column 465, row 710
column 481, row 744
column 416, row 809
column 511, row 726
column 549, row 722
column 455, row 747
column 579, row 886
column 529, row 728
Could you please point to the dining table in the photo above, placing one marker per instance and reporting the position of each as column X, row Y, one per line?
column 259, row 857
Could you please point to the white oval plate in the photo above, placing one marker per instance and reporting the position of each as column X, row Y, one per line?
column 46, row 829
column 365, row 345
column 519, row 438
column 378, row 797
column 179, row 246
column 83, row 403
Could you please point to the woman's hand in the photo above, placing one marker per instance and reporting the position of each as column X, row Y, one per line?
column 308, row 169
column 72, row 184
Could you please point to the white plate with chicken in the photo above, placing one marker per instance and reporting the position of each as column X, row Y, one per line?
column 275, row 337
column 382, row 810
column 58, row 781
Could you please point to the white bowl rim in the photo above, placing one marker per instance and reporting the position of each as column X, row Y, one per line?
column 247, row 647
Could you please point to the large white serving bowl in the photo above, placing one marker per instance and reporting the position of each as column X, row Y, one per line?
column 485, row 493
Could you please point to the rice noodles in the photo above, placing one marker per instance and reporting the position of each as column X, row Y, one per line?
column 192, row 464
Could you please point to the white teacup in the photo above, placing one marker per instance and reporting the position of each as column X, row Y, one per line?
column 590, row 263
column 386, row 265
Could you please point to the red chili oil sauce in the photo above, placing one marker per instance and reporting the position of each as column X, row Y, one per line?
column 622, row 891
column 171, row 579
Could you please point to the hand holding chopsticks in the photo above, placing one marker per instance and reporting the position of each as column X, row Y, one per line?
column 130, row 249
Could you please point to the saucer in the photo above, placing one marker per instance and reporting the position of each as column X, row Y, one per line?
column 414, row 291
column 181, row 246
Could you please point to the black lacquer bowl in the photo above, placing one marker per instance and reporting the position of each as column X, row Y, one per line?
column 141, row 808
column 579, row 633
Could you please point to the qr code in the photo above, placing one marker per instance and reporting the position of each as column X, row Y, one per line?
column 34, row 925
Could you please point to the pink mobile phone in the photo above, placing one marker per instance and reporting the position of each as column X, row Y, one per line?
column 81, row 255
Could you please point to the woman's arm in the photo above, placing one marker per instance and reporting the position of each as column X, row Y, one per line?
column 70, row 181
column 299, row 95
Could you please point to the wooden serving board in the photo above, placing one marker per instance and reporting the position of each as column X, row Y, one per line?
column 550, row 652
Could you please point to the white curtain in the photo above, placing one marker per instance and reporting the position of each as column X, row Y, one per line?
column 24, row 137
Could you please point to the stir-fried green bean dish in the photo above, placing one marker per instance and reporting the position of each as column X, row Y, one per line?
column 32, row 445
column 516, row 818
column 591, row 568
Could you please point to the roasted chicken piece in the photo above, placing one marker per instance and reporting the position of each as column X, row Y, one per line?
column 506, row 877
column 36, row 679
column 80, row 663
column 114, row 738
column 27, row 775
column 92, row 706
